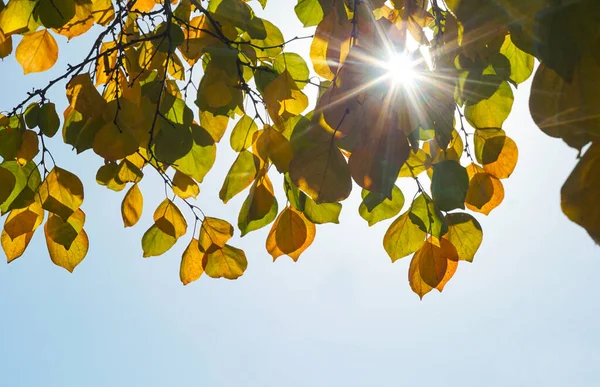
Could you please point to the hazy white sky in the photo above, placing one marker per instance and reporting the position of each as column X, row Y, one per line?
column 524, row 313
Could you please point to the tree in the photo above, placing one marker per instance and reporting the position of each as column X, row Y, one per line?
column 441, row 127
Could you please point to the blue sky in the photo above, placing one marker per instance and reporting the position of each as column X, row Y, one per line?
column 524, row 313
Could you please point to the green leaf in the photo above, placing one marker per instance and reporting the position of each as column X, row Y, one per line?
column 295, row 65
column 376, row 207
column 31, row 115
column 172, row 142
column 521, row 63
column 27, row 182
column 309, row 12
column 7, row 184
column 427, row 216
column 156, row 242
column 200, row 159
column 403, row 237
column 241, row 174
column 464, row 232
column 449, row 185
column 259, row 208
column 54, row 13
column 48, row 120
column 242, row 134
column 491, row 112
column 323, row 212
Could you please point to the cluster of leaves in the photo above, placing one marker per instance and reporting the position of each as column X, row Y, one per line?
column 127, row 104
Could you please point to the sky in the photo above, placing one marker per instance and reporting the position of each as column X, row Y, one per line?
column 523, row 313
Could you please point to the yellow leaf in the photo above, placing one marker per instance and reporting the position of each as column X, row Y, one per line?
column 403, row 237
column 330, row 45
column 415, row 280
column 65, row 232
column 129, row 172
column 156, row 242
column 17, row 17
column 6, row 45
column 214, row 234
column 84, row 97
column 61, row 193
column 227, row 262
column 464, row 232
column 170, row 220
column 79, row 24
column 196, row 38
column 113, row 143
column 283, row 98
column 103, row 11
column 433, row 261
column 37, row 52
column 132, row 205
column 184, row 186
column 504, row 166
column 485, row 192
column 491, row 112
column 191, row 263
column 579, row 194
column 272, row 145
column 14, row 248
column 144, row 5
column 291, row 234
column 68, row 258
column 23, row 221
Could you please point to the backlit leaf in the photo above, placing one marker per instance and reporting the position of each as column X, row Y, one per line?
column 491, row 112
column 426, row 215
column 260, row 207
column 464, row 232
column 132, row 206
column 156, row 242
column 37, row 52
column 184, row 186
column 242, row 134
column 7, row 184
column 169, row 219
column 27, row 181
column 228, row 262
column 291, row 234
column 449, row 185
column 376, row 207
column 433, row 261
column 61, row 193
column 191, row 263
column 71, row 257
column 241, row 174
column 48, row 120
column 485, row 193
column 214, row 234
column 403, row 237
column 64, row 232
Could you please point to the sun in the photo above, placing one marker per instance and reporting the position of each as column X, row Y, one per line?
column 400, row 69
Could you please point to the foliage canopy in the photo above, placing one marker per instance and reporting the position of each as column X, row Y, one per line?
column 441, row 127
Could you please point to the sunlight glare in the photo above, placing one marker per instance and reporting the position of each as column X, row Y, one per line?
column 400, row 69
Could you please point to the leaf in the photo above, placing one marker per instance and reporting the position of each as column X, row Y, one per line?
column 200, row 159
column 61, row 193
column 521, row 63
column 31, row 115
column 241, row 174
column 7, row 184
column 64, row 232
column 485, row 193
column 16, row 17
column 309, row 12
column 579, row 194
column 14, row 248
column 107, row 175
column 415, row 164
column 376, row 207
column 54, row 13
column 295, row 65
column 506, row 161
column 283, row 98
column 242, row 134
column 71, row 257
column 465, row 234
column 184, row 186
column 132, row 205
column 79, row 24
column 291, row 234
column 260, row 207
column 84, row 97
column 330, row 45
column 323, row 212
column 322, row 173
column 6, row 45
column 169, row 219
column 433, row 261
column 227, row 262
column 449, row 185
column 403, row 237
column 156, row 242
column 113, row 143
column 48, row 120
column 27, row 179
column 29, row 147
column 415, row 280
column 214, row 234
column 191, row 263
column 37, row 52
column 272, row 145
column 491, row 112
column 23, row 221
column 425, row 214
